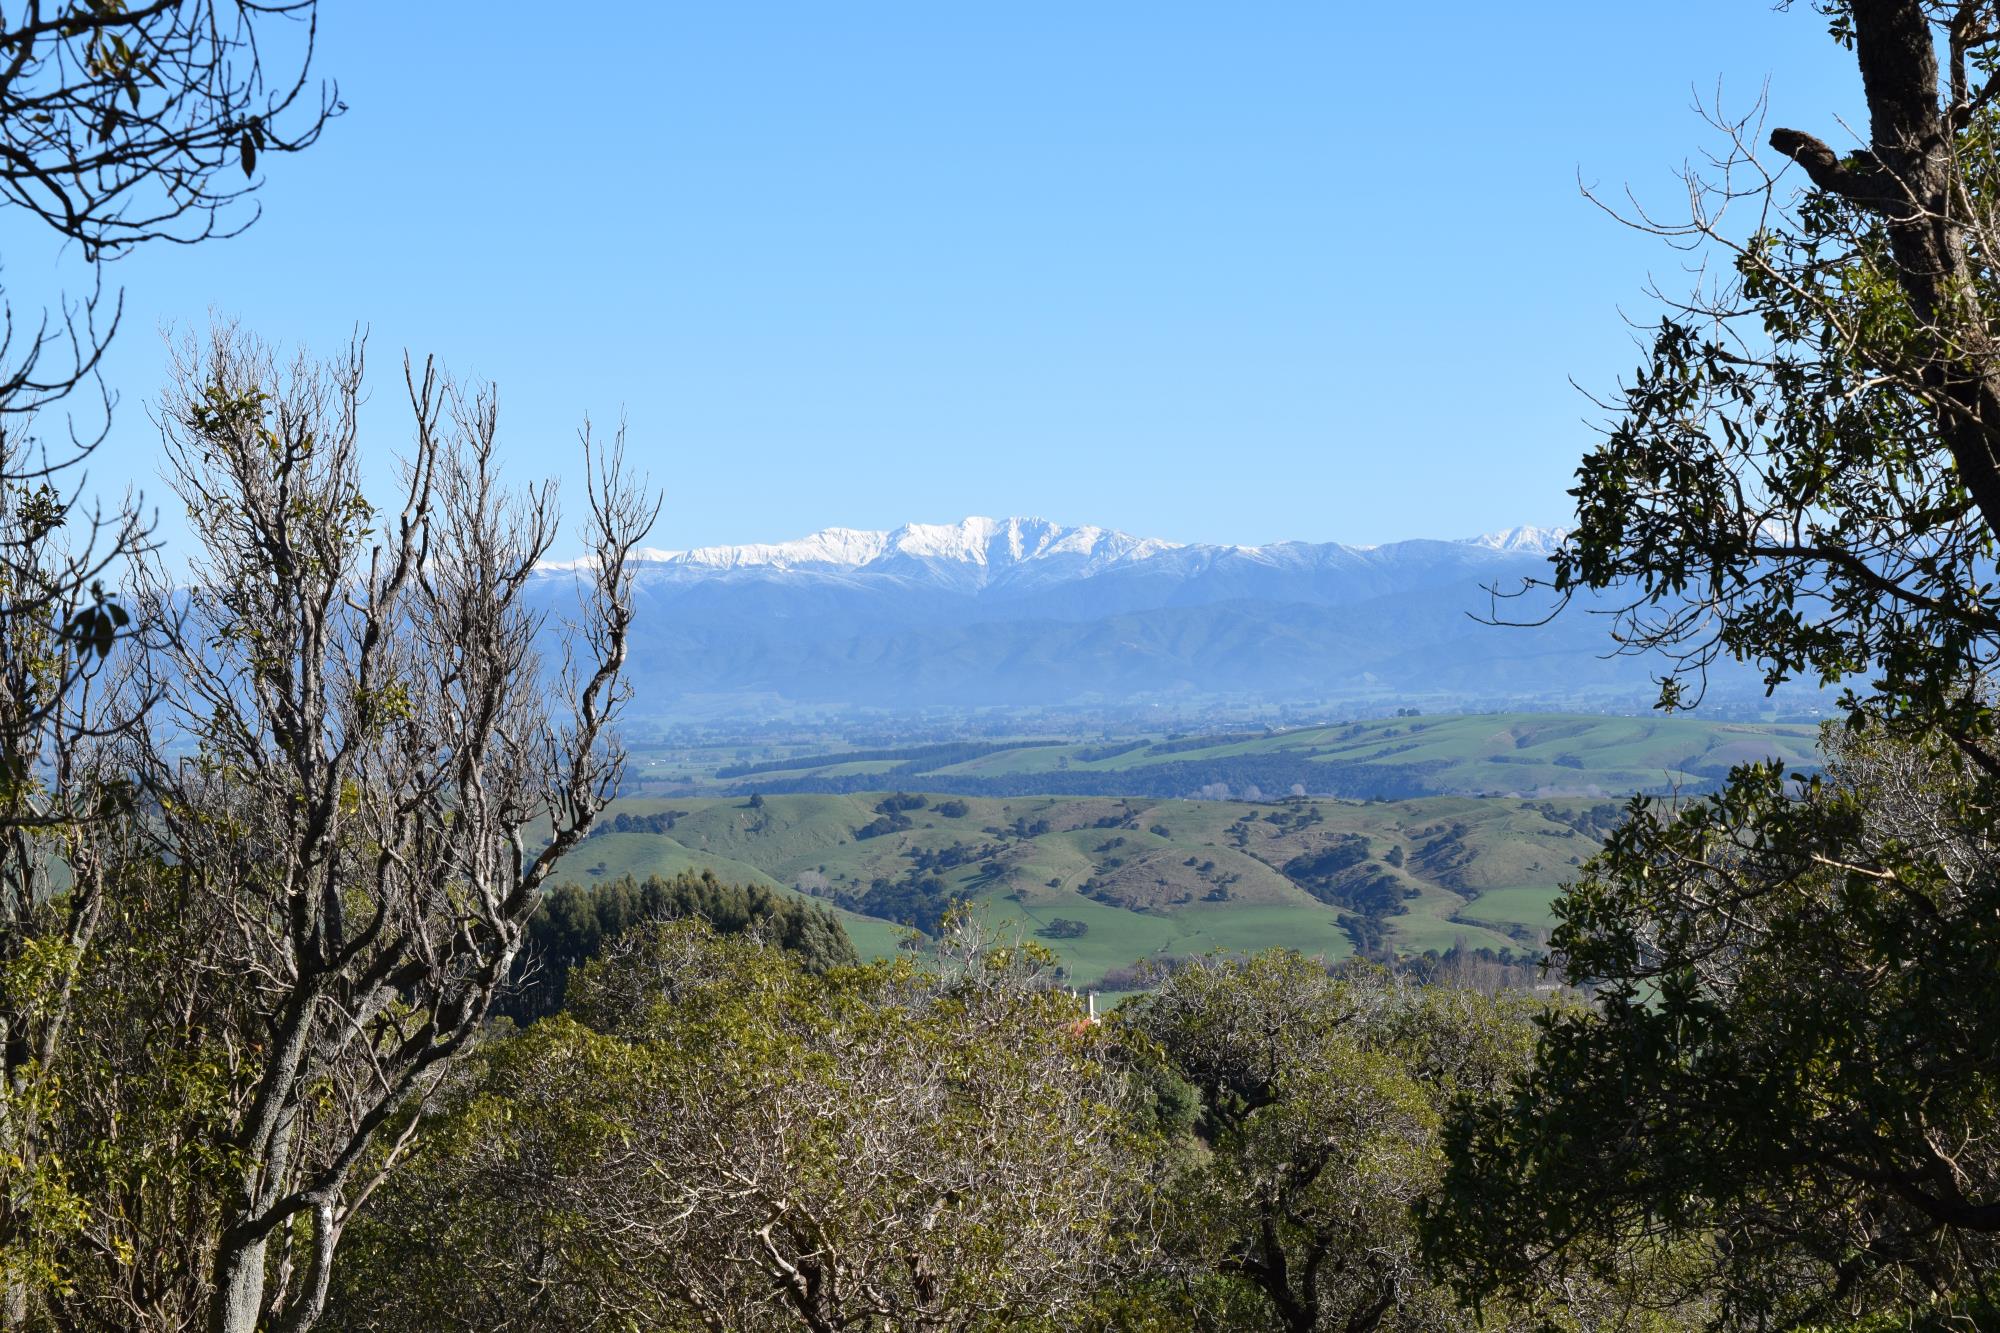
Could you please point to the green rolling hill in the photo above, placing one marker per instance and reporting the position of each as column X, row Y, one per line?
column 1109, row 881
column 1412, row 833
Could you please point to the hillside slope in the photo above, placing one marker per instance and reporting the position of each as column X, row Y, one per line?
column 1110, row 882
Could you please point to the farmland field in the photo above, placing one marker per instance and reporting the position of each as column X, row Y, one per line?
column 1109, row 881
column 1552, row 755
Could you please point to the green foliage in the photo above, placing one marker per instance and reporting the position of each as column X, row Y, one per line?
column 1476, row 873
column 575, row 923
column 890, row 822
column 1340, row 874
column 1781, row 483
column 917, row 899
column 716, row 1136
column 1793, row 1032
column 1783, row 1096
column 541, row 1106
column 1951, row 1315
column 1319, row 1101
column 136, row 1162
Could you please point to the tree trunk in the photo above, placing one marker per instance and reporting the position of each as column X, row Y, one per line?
column 311, row 1304
column 1910, row 179
column 239, row 1285
column 13, row 1221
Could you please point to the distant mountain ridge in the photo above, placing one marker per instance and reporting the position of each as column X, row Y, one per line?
column 1024, row 612
column 1527, row 538
column 976, row 541
column 999, row 543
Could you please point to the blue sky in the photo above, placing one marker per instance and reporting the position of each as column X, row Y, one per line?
column 1208, row 272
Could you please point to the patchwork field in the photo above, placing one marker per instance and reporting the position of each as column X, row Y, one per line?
column 1109, row 881
column 1519, row 754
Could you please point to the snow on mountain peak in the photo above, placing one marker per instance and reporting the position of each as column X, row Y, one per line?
column 972, row 541
column 1526, row 538
column 1008, row 541
column 981, row 547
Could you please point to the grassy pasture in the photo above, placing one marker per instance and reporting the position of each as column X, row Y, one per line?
column 1146, row 878
column 1489, row 754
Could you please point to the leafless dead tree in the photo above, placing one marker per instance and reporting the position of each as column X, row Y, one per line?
column 354, row 761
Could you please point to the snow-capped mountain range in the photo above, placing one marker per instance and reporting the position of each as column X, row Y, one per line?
column 1025, row 612
column 996, row 544
column 976, row 541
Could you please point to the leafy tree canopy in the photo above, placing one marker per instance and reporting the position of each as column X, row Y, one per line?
column 575, row 923
column 1784, row 1095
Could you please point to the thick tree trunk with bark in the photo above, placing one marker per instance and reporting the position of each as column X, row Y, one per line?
column 239, row 1286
